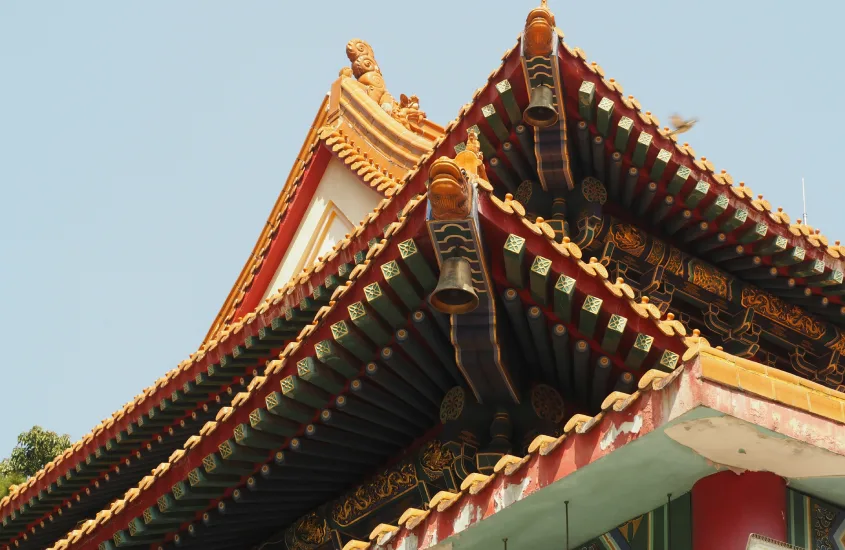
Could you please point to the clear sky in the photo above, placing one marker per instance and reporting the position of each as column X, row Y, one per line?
column 142, row 145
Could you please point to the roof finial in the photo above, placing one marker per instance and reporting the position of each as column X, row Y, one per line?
column 539, row 31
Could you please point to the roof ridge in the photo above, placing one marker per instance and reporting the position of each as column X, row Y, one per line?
column 743, row 192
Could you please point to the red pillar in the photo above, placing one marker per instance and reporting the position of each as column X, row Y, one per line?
column 727, row 507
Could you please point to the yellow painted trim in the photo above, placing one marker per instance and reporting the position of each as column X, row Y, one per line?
column 772, row 384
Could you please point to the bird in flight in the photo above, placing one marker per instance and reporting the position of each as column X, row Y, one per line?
column 680, row 125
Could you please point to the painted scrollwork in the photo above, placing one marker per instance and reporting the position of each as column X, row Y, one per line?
column 628, row 238
column 711, row 280
column 372, row 494
column 782, row 313
column 593, row 190
column 452, row 405
column 435, row 458
column 366, row 71
column 309, row 532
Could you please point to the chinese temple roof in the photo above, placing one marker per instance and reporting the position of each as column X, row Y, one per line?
column 284, row 406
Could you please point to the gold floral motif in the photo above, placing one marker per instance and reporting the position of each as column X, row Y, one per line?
column 309, row 532
column 372, row 494
column 657, row 252
column 710, row 279
column 777, row 310
column 627, row 238
column 675, row 264
column 435, row 458
column 822, row 523
column 452, row 405
column 593, row 190
column 547, row 403
column 837, row 344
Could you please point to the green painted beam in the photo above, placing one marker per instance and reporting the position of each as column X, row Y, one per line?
column 734, row 220
column 508, row 99
column 641, row 149
column 564, row 295
column 285, row 407
column 789, row 257
column 318, row 374
column 664, row 157
column 370, row 324
column 678, row 180
column 384, row 306
column 716, row 208
column 248, row 437
column 623, row 134
column 495, row 122
column 400, row 284
column 696, row 194
column 589, row 315
column 539, row 277
column 587, row 100
column 514, row 254
column 337, row 358
column 613, row 333
column 418, row 265
column 307, row 394
column 262, row 420
column 755, row 233
column 811, row 268
column 831, row 278
column 639, row 351
column 771, row 246
column 351, row 341
column 604, row 116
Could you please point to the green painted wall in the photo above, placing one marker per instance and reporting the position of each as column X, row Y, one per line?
column 651, row 531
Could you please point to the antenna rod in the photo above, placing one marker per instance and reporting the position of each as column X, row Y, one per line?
column 566, row 503
column 804, row 197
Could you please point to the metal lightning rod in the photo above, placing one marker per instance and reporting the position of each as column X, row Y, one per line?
column 804, row 197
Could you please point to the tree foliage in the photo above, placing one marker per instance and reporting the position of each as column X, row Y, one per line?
column 9, row 479
column 34, row 450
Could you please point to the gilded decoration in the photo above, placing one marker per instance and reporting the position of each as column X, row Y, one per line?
column 372, row 494
column 777, row 310
column 309, row 532
column 435, row 458
column 675, row 265
column 593, row 190
column 452, row 405
column 368, row 74
column 547, row 403
column 657, row 252
column 627, row 238
column 710, row 279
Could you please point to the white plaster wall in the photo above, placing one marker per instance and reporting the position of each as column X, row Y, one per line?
column 340, row 202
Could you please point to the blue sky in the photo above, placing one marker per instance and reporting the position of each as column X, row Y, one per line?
column 142, row 145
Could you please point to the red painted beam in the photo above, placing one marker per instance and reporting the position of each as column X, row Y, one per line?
column 296, row 208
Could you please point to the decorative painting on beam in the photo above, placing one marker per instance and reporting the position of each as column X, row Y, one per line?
column 540, row 65
column 814, row 524
column 650, row 531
